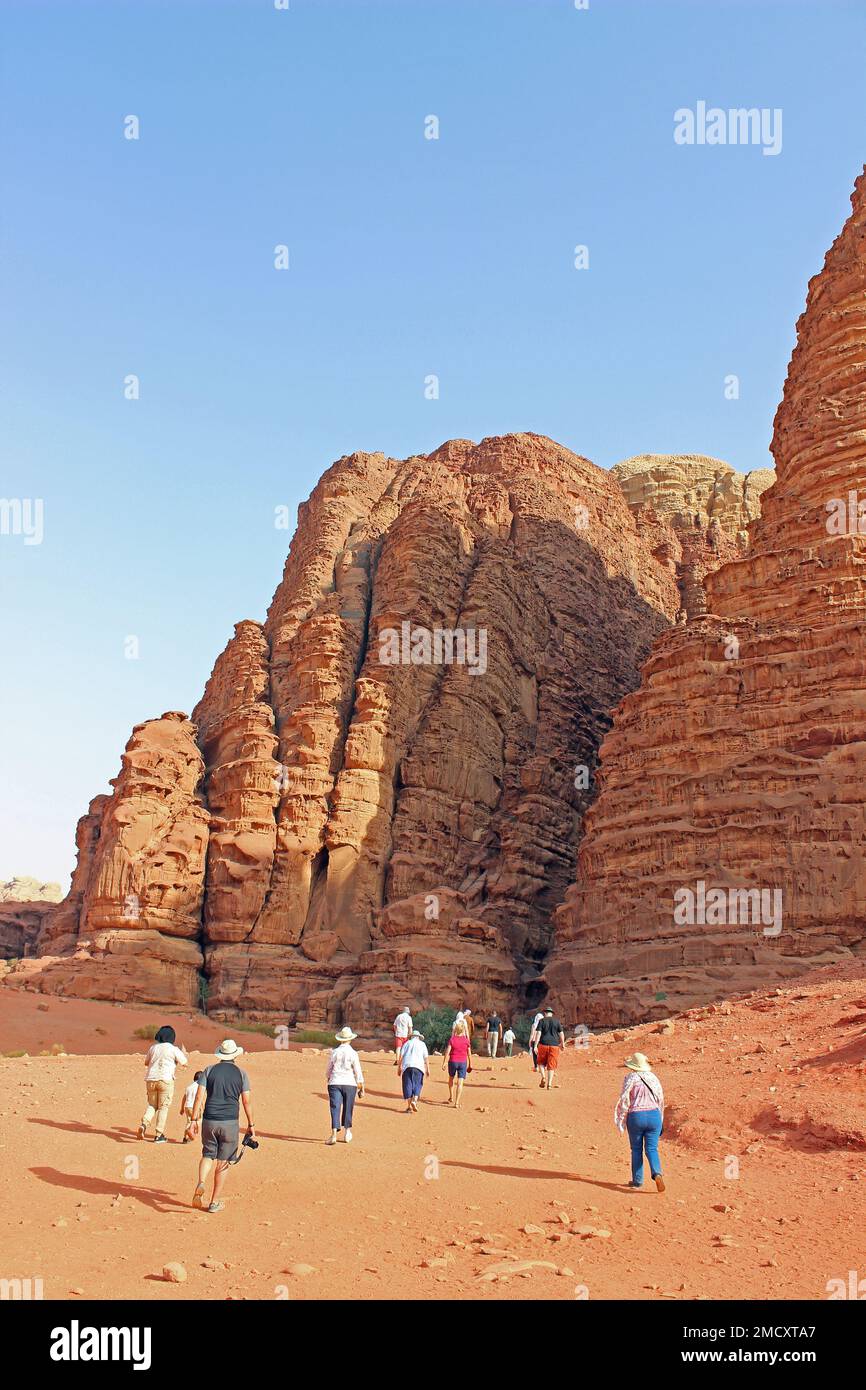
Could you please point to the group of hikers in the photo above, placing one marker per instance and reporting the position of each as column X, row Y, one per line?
column 211, row 1103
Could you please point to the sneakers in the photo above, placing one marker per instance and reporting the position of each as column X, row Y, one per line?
column 332, row 1140
column 160, row 1139
column 348, row 1136
column 142, row 1131
column 215, row 1207
column 198, row 1198
column 659, row 1182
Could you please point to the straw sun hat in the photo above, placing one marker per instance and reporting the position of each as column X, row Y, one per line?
column 345, row 1035
column 228, row 1049
column 637, row 1062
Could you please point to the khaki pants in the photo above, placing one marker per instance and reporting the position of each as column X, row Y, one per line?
column 159, row 1098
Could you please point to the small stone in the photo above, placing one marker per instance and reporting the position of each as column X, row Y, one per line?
column 174, row 1273
column 300, row 1271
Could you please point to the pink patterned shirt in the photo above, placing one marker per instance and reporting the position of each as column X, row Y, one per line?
column 641, row 1090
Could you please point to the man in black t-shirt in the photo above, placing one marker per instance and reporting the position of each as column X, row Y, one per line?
column 222, row 1088
column 549, row 1038
column 492, row 1033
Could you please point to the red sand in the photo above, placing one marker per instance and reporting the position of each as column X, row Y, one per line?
column 772, row 1082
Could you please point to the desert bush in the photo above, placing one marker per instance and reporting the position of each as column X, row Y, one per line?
column 313, row 1035
column 436, row 1024
column 522, row 1026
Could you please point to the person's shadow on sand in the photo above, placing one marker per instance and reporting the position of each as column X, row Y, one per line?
column 120, row 1136
column 534, row 1173
column 98, row 1187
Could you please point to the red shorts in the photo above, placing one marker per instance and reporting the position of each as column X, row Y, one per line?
column 547, row 1056
column 398, row 1042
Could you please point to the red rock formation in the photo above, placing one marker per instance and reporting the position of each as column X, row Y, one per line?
column 378, row 826
column 398, row 782
column 133, row 916
column 337, row 830
column 739, row 763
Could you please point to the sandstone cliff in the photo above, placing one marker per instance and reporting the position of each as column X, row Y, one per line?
column 380, row 793
column 737, row 769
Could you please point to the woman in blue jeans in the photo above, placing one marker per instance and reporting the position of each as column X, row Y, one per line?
column 641, row 1110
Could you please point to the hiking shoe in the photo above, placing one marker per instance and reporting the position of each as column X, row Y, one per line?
column 142, row 1131
column 659, row 1182
column 160, row 1139
column 332, row 1140
column 198, row 1198
column 348, row 1136
column 215, row 1207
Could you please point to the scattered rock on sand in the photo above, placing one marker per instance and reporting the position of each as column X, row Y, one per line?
column 174, row 1273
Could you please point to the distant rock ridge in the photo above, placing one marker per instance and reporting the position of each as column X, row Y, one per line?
column 29, row 890
column 738, row 768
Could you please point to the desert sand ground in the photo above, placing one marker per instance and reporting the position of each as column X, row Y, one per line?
column 764, row 1156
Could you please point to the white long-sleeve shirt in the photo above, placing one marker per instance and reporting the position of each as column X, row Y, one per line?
column 344, row 1067
column 161, row 1060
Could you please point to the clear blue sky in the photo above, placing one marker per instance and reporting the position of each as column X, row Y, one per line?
column 407, row 257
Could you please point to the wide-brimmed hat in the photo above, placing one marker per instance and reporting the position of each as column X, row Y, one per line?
column 345, row 1034
column 548, row 1009
column 637, row 1062
column 416, row 1033
column 228, row 1049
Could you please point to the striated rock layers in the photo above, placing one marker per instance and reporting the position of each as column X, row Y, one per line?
column 726, row 844
column 378, row 798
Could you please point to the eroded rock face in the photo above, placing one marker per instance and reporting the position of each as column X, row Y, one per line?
column 380, row 794
column 740, row 763
column 410, row 782
column 130, row 926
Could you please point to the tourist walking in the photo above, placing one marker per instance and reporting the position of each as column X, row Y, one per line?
column 345, row 1084
column 414, row 1066
column 456, row 1060
column 492, row 1031
column 641, row 1110
column 549, row 1039
column 402, row 1032
column 222, row 1088
column 533, row 1033
column 508, row 1038
column 187, row 1105
column 162, row 1060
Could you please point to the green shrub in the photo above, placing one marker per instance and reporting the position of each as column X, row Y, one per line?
column 203, row 992
column 522, row 1026
column 314, row 1035
column 436, row 1024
